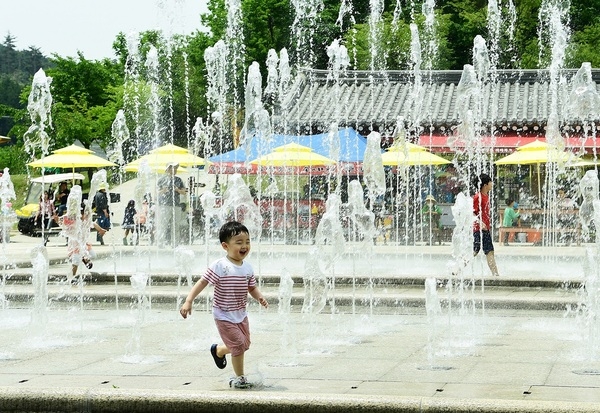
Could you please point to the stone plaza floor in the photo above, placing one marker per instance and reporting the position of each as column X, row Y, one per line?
column 519, row 345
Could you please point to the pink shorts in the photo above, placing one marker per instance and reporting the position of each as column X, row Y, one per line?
column 235, row 336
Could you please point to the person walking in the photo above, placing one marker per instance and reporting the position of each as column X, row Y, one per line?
column 102, row 211
column 233, row 279
column 170, row 189
column 129, row 218
column 482, row 237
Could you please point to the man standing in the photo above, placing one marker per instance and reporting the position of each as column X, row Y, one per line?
column 170, row 188
column 102, row 211
column 482, row 224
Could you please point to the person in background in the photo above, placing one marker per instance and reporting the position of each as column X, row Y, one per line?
column 46, row 215
column 102, row 211
column 61, row 195
column 129, row 220
column 141, row 220
column 483, row 222
column 432, row 214
column 170, row 189
column 510, row 217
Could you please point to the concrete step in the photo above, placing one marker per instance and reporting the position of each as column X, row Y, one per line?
column 388, row 298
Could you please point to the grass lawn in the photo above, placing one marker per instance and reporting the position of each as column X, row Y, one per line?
column 20, row 185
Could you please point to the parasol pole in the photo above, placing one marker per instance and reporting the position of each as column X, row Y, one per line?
column 539, row 184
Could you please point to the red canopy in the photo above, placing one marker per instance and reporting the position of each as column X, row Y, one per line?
column 501, row 144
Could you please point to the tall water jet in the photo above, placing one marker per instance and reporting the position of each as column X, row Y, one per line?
column 337, row 66
column 306, row 19
column 39, row 105
column 317, row 289
column 373, row 172
column 283, row 87
column 134, row 349
column 184, row 263
column 272, row 89
column 553, row 30
column 434, row 312
column 377, row 58
column 430, row 42
column 7, row 218
column 415, row 103
column 362, row 225
column 154, row 103
column 257, row 123
column 494, row 25
column 120, row 135
column 329, row 240
column 589, row 307
column 288, row 336
column 131, row 89
column 217, row 90
column 7, row 215
column 462, row 250
column 468, row 141
column 238, row 205
column 39, row 279
column 234, row 69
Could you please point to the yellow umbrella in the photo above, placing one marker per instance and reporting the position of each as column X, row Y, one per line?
column 156, row 168
column 413, row 156
column 160, row 157
column 4, row 139
column 292, row 155
column 536, row 153
column 170, row 148
column 72, row 156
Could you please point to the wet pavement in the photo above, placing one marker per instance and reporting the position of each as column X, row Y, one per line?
column 520, row 343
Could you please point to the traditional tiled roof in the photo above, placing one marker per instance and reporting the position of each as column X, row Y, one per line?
column 515, row 100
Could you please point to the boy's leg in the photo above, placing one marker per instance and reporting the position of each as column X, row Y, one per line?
column 488, row 249
column 235, row 336
column 491, row 260
column 237, row 363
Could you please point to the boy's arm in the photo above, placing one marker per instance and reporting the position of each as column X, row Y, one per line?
column 257, row 295
column 186, row 308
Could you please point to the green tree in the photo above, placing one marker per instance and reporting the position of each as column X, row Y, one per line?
column 585, row 46
column 86, row 96
column 266, row 26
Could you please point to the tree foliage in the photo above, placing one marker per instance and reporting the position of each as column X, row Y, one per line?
column 87, row 94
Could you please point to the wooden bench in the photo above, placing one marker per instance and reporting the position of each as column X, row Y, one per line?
column 534, row 235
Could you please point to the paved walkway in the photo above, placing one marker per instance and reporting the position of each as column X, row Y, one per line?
column 391, row 354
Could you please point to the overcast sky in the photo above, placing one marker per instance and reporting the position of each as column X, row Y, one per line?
column 90, row 26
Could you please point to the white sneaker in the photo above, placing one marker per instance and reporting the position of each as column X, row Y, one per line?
column 240, row 382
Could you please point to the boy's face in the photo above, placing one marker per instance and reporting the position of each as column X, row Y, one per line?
column 238, row 247
column 487, row 187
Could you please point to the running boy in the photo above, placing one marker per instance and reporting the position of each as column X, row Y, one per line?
column 482, row 224
column 232, row 278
